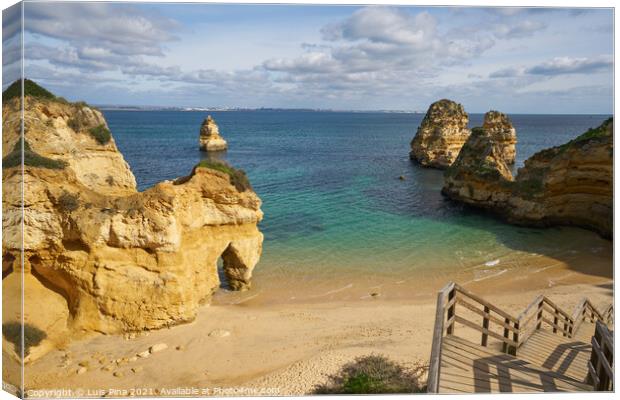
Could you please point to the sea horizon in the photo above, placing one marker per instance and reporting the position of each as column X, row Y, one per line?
column 109, row 107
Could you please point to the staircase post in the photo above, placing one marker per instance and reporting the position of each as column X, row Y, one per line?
column 485, row 325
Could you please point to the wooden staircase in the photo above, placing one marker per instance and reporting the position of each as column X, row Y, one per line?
column 543, row 349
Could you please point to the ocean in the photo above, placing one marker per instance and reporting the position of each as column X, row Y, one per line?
column 338, row 220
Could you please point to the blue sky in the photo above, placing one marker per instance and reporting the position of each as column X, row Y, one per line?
column 377, row 57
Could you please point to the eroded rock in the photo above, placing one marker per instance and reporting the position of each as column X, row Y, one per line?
column 156, row 348
column 210, row 139
column 571, row 184
column 98, row 254
column 503, row 134
column 441, row 135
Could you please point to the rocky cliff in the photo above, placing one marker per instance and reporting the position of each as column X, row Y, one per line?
column 502, row 133
column 571, row 184
column 100, row 256
column 74, row 133
column 441, row 135
column 210, row 138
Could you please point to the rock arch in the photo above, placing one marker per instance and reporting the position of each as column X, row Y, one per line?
column 239, row 259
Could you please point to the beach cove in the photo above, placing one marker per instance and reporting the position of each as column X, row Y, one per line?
column 352, row 260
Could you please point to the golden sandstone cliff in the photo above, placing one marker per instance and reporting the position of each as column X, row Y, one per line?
column 571, row 184
column 441, row 135
column 98, row 254
column 443, row 132
column 503, row 134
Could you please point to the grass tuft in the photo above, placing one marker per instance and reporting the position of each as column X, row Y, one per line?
column 374, row 374
column 68, row 202
column 31, row 159
column 30, row 89
column 237, row 176
column 101, row 134
column 592, row 133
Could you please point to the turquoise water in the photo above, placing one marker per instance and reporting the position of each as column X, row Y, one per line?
column 333, row 203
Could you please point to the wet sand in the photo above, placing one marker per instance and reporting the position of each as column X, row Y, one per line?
column 251, row 344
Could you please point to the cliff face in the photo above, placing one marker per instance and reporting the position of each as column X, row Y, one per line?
column 107, row 257
column 570, row 184
column 441, row 135
column 210, row 139
column 503, row 133
column 74, row 133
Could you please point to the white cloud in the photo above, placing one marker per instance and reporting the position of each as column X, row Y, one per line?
column 385, row 25
column 571, row 65
column 519, row 29
column 122, row 29
column 559, row 66
column 374, row 57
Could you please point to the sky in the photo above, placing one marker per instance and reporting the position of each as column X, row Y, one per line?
column 516, row 60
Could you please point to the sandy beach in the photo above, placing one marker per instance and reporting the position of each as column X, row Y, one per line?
column 254, row 348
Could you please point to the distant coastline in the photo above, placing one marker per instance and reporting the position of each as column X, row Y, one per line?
column 112, row 107
column 108, row 107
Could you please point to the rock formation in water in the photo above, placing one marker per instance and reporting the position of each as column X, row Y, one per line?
column 210, row 139
column 571, row 184
column 503, row 133
column 441, row 135
column 99, row 255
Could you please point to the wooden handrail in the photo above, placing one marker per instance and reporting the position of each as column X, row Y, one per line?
column 432, row 384
column 608, row 313
column 485, row 303
column 600, row 366
column 521, row 327
column 527, row 309
column 579, row 308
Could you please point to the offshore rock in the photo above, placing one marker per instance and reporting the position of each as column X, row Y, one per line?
column 99, row 255
column 210, row 139
column 503, row 133
column 571, row 184
column 441, row 135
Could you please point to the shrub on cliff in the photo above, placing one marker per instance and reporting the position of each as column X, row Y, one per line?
column 31, row 159
column 30, row 89
column 101, row 134
column 237, row 176
column 374, row 374
column 600, row 131
column 12, row 332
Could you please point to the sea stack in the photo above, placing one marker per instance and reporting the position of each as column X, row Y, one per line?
column 571, row 184
column 503, row 133
column 210, row 139
column 441, row 135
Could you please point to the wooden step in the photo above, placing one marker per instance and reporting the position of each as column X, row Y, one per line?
column 470, row 368
column 557, row 353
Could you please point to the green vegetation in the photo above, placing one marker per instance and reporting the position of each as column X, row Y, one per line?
column 12, row 331
column 237, row 176
column 81, row 104
column 530, row 187
column 31, row 159
column 74, row 124
column 374, row 374
column 68, row 202
column 487, row 170
column 30, row 89
column 592, row 133
column 101, row 134
column 478, row 130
